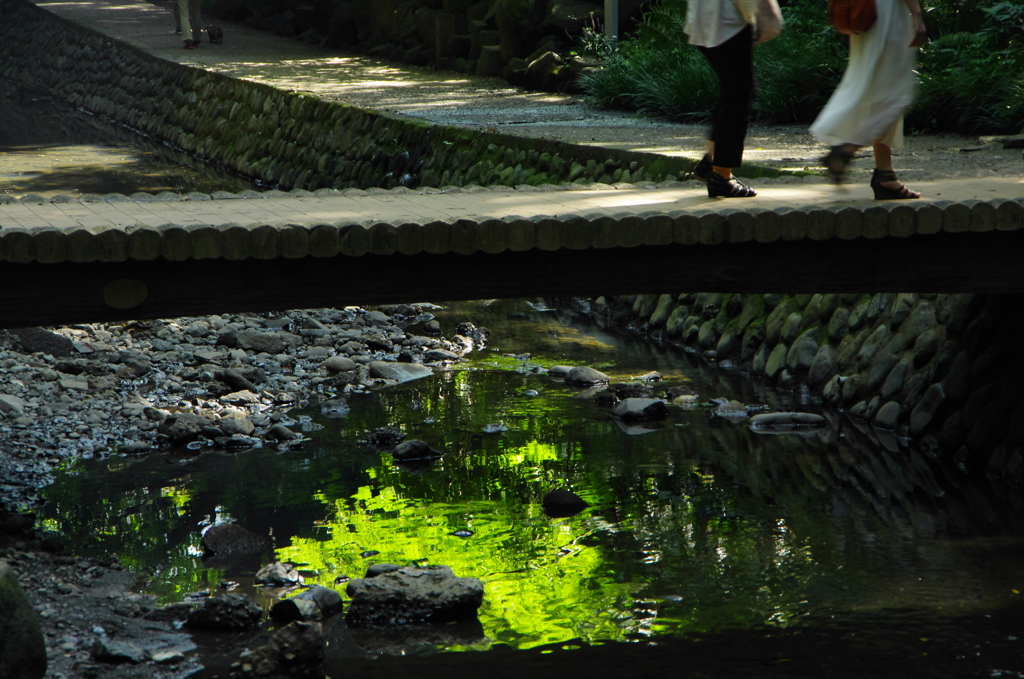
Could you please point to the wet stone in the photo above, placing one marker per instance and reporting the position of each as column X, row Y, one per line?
column 228, row 612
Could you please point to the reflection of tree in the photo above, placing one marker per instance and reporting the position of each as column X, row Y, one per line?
column 698, row 527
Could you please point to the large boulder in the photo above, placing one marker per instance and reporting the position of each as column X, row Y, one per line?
column 787, row 421
column 296, row 650
column 22, row 648
column 278, row 574
column 228, row 612
column 561, row 503
column 585, row 377
column 399, row 372
column 314, row 603
column 641, row 410
column 413, row 596
column 414, row 449
column 230, row 539
column 184, row 427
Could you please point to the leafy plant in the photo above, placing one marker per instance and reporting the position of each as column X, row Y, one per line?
column 972, row 73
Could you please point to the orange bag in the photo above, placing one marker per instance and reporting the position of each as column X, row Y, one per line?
column 852, row 17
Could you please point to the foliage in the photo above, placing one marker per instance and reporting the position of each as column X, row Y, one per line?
column 972, row 72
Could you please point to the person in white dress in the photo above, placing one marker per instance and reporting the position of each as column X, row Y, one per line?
column 726, row 39
column 877, row 88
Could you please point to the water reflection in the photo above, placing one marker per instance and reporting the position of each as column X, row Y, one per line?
column 697, row 528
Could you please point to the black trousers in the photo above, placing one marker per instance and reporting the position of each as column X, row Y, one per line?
column 733, row 63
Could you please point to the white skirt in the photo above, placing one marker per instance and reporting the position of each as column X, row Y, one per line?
column 878, row 86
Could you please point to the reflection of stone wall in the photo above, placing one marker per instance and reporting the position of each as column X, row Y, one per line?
column 283, row 139
column 943, row 369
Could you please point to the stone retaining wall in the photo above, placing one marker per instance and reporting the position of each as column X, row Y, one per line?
column 282, row 139
column 942, row 369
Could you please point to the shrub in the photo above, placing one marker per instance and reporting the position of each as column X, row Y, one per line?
column 972, row 73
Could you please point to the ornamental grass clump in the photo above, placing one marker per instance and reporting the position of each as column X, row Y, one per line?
column 972, row 71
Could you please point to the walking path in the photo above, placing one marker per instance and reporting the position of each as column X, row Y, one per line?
column 451, row 99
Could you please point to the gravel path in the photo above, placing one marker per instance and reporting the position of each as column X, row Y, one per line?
column 491, row 104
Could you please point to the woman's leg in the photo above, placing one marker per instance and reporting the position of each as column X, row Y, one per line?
column 733, row 63
column 186, row 28
column 884, row 171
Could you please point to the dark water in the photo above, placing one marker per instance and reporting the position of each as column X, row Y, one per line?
column 47, row 149
column 833, row 553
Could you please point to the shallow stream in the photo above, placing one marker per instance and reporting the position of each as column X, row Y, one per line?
column 697, row 528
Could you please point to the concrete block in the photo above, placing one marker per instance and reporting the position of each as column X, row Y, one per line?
column 956, row 217
column 1009, row 215
column 549, row 234
column 711, row 228
column 767, row 226
column 821, row 224
column 410, row 238
column 381, row 239
column 875, row 222
column 206, row 241
column 264, row 241
column 175, row 243
column 437, row 238
column 83, row 246
column 658, row 228
column 144, row 244
column 293, row 241
column 983, row 217
column 902, row 221
column 603, row 231
column 236, row 244
column 463, row 237
column 793, row 224
column 741, row 227
column 686, row 227
column 522, row 234
column 354, row 240
column 929, row 218
column 576, row 233
column 493, row 236
column 631, row 232
column 849, row 223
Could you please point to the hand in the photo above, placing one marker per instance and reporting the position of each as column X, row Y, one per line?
column 920, row 32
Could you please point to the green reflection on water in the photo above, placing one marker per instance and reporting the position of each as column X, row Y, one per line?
column 698, row 527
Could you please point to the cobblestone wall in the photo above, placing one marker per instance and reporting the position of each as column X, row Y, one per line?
column 944, row 370
column 282, row 139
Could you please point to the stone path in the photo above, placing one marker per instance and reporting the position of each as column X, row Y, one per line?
column 399, row 206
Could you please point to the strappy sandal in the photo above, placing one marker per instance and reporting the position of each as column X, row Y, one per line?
column 720, row 187
column 880, row 177
column 836, row 162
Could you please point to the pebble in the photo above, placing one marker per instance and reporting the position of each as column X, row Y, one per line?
column 144, row 372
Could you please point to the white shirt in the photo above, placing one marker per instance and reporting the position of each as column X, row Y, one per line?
column 709, row 23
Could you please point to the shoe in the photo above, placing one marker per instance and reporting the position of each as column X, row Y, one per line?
column 703, row 169
column 177, row 31
column 836, row 162
column 720, row 187
column 884, row 192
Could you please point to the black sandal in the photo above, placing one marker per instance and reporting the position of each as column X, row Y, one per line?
column 720, row 187
column 884, row 192
column 836, row 161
